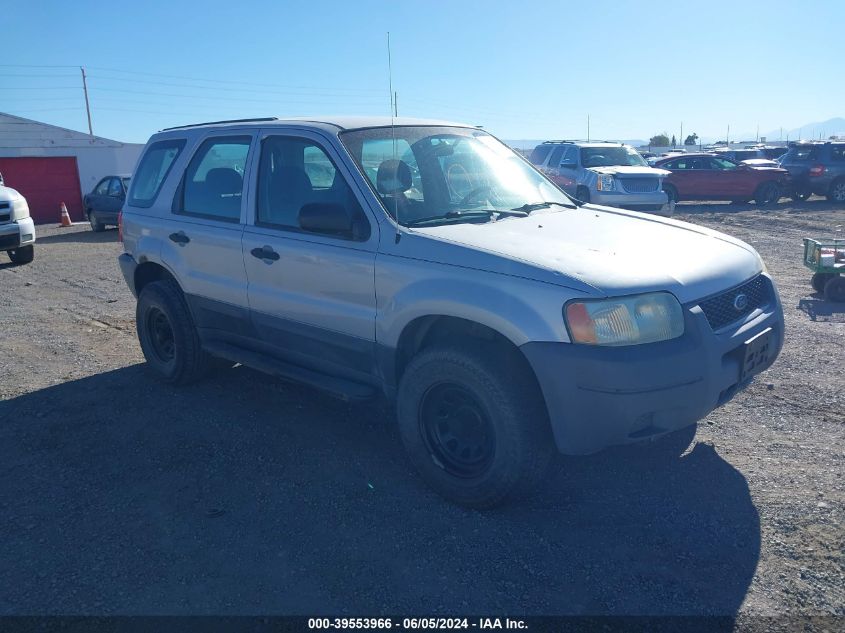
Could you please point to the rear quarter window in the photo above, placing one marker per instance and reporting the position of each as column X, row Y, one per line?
column 152, row 171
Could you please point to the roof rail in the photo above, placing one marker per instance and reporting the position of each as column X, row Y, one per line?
column 255, row 120
column 579, row 140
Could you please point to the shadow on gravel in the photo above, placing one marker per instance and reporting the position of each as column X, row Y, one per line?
column 85, row 237
column 245, row 495
column 816, row 308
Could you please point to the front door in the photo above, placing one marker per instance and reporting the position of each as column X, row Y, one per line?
column 311, row 293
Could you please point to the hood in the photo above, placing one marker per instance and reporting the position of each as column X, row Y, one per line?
column 617, row 252
column 7, row 194
column 627, row 170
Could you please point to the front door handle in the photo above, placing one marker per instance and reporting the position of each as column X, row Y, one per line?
column 180, row 238
column 265, row 252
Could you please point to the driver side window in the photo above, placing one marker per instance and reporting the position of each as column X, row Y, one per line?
column 722, row 164
column 102, row 188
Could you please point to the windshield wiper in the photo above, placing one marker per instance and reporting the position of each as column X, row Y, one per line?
column 451, row 216
column 528, row 208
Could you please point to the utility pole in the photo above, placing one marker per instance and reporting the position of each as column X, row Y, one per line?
column 87, row 105
column 395, row 104
column 588, row 128
column 681, row 137
column 728, row 137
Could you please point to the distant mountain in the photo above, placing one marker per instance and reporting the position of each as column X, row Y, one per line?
column 831, row 127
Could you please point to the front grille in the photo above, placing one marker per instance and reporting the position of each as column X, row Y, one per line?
column 640, row 185
column 5, row 217
column 9, row 241
column 721, row 310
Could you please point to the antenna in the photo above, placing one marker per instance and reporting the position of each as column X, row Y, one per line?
column 392, row 123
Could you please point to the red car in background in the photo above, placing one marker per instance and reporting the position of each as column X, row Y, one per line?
column 704, row 176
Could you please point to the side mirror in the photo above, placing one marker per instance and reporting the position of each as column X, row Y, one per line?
column 325, row 217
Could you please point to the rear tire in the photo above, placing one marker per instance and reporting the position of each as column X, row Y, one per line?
column 767, row 194
column 22, row 254
column 96, row 225
column 834, row 290
column 167, row 334
column 819, row 281
column 476, row 430
column 671, row 194
column 837, row 190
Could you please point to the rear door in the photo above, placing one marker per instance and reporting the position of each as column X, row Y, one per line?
column 311, row 294
column 203, row 246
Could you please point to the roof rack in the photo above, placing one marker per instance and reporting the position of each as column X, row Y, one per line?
column 256, row 120
column 579, row 140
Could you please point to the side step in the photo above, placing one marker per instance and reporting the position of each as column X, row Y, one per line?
column 339, row 387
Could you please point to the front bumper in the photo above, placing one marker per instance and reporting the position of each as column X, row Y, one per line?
column 17, row 234
column 655, row 199
column 603, row 396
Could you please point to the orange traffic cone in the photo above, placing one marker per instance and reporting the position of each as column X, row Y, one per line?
column 65, row 216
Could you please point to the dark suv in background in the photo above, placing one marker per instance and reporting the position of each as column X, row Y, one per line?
column 817, row 168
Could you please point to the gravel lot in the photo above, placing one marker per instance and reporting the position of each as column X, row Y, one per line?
column 244, row 494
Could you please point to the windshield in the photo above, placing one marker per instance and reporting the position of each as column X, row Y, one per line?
column 430, row 175
column 611, row 156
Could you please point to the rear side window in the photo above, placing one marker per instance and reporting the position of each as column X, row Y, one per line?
column 214, row 181
column 837, row 153
column 803, row 153
column 152, row 171
column 538, row 156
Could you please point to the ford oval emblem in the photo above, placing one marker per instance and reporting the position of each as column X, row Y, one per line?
column 740, row 302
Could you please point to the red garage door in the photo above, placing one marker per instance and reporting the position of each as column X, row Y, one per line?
column 45, row 182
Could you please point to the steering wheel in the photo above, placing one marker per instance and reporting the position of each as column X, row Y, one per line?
column 472, row 194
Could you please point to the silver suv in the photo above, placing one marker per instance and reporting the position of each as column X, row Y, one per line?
column 604, row 172
column 429, row 262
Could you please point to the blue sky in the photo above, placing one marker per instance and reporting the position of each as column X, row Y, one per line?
column 521, row 69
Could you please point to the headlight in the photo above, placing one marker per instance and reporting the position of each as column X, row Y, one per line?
column 647, row 318
column 20, row 209
column 605, row 183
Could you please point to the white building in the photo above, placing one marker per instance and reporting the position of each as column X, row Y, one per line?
column 50, row 165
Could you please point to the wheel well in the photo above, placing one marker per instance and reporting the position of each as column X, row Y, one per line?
column 433, row 330
column 147, row 272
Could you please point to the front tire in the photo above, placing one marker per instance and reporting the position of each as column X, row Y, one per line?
column 476, row 430
column 22, row 254
column 671, row 194
column 767, row 194
column 167, row 334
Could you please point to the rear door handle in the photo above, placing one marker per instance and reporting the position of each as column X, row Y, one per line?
column 265, row 252
column 180, row 238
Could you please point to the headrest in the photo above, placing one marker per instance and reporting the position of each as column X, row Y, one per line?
column 394, row 176
column 224, row 180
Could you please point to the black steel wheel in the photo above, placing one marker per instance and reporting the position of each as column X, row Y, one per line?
column 457, row 430
column 474, row 423
column 167, row 334
column 95, row 223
